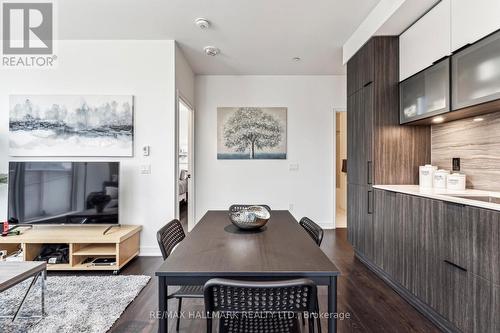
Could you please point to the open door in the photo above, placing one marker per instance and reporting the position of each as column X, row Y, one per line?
column 184, row 171
column 340, row 169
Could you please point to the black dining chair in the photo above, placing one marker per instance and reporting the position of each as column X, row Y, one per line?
column 168, row 237
column 316, row 233
column 237, row 207
column 314, row 230
column 271, row 306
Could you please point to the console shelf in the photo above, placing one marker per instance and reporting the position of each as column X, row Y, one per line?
column 121, row 242
column 96, row 250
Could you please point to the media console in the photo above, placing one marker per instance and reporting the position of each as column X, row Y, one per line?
column 84, row 242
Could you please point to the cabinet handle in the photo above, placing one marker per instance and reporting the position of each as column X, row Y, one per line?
column 455, row 265
column 369, row 165
column 370, row 202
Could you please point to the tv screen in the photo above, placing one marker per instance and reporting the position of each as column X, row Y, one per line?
column 64, row 192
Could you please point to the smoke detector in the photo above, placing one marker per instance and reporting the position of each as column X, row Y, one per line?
column 211, row 51
column 202, row 23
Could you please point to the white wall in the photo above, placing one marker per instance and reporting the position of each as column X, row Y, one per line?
column 310, row 101
column 144, row 69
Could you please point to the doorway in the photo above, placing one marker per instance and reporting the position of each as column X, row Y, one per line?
column 184, row 169
column 340, row 169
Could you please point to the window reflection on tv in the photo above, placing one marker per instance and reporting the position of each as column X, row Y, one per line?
column 64, row 192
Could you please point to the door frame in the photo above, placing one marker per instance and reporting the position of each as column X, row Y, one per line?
column 191, row 185
column 334, row 185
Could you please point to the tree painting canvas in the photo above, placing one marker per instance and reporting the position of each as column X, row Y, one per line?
column 67, row 125
column 251, row 133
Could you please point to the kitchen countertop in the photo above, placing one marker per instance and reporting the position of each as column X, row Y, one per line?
column 446, row 195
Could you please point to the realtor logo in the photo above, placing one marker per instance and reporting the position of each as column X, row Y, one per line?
column 27, row 28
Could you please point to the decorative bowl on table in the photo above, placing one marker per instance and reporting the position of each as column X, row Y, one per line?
column 250, row 218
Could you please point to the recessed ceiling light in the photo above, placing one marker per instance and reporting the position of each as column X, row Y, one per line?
column 296, row 59
column 478, row 119
column 211, row 51
column 202, row 23
column 438, row 120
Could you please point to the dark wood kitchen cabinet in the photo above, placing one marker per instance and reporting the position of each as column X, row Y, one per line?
column 385, row 230
column 455, row 231
column 360, row 67
column 485, row 243
column 454, row 255
column 444, row 255
column 379, row 150
column 360, row 131
column 360, row 231
column 484, row 306
column 420, row 218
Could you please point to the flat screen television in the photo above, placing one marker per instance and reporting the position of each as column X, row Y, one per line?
column 63, row 192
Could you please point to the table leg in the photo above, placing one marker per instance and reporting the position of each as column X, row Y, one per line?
column 162, row 305
column 332, row 305
column 44, row 289
column 25, row 296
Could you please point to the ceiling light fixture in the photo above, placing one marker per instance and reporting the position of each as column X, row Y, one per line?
column 478, row 119
column 438, row 120
column 296, row 59
column 202, row 23
column 211, row 51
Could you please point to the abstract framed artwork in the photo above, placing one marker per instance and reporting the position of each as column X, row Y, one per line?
column 71, row 125
column 251, row 133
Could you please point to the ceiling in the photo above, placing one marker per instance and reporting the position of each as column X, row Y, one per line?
column 254, row 36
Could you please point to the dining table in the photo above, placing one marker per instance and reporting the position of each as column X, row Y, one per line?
column 215, row 248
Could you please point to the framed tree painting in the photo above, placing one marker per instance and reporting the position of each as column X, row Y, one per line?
column 251, row 133
column 71, row 125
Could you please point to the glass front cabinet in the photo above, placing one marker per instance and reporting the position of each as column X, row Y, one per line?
column 476, row 73
column 426, row 93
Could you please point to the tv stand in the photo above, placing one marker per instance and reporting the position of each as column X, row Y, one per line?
column 84, row 241
column 109, row 228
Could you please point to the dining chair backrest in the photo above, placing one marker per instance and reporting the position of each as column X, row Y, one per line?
column 237, row 207
column 226, row 297
column 169, row 236
column 314, row 230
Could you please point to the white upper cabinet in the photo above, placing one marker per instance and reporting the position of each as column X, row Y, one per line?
column 426, row 41
column 472, row 20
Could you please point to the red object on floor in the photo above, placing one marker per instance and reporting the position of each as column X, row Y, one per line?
column 5, row 227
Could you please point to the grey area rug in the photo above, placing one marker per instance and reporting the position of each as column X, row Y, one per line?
column 73, row 303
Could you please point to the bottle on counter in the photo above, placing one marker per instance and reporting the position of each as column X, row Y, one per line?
column 439, row 180
column 456, row 182
column 426, row 175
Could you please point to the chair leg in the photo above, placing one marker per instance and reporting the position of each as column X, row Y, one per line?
column 310, row 321
column 209, row 325
column 178, row 314
column 318, row 320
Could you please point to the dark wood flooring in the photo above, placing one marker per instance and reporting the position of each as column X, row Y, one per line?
column 372, row 305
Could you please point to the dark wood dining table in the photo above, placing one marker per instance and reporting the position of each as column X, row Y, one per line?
column 215, row 248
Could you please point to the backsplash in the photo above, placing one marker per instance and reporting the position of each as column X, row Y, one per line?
column 477, row 143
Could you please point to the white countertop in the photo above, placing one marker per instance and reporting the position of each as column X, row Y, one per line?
column 446, row 195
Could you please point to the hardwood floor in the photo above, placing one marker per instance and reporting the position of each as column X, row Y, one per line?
column 372, row 305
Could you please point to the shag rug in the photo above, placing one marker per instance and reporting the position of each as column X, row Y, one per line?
column 72, row 303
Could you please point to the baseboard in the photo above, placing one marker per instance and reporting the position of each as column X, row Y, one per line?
column 149, row 251
column 442, row 323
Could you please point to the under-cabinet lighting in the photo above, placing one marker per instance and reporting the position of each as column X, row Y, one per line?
column 438, row 120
